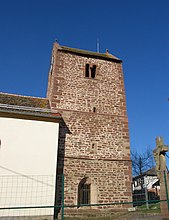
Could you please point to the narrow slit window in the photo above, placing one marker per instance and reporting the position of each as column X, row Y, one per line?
column 94, row 109
column 93, row 148
column 93, row 71
column 87, row 70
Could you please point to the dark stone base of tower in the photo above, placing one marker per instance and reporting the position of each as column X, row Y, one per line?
column 87, row 88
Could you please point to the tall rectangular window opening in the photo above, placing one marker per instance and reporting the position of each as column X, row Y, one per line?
column 93, row 71
column 87, row 70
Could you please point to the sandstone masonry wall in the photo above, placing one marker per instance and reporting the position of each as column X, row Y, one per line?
column 94, row 136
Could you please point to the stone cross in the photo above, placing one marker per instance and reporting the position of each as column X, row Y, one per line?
column 159, row 156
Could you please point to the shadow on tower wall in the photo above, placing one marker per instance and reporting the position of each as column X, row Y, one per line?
column 63, row 130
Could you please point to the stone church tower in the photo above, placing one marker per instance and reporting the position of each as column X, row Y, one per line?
column 87, row 88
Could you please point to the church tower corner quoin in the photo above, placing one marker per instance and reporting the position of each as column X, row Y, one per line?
column 87, row 88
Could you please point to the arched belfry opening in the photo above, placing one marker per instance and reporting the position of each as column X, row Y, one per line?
column 84, row 191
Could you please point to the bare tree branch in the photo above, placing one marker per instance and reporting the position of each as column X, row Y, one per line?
column 141, row 162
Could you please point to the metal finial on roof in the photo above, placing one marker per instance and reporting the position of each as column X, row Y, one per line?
column 98, row 46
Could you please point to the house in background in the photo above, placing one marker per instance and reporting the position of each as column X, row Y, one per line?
column 146, row 183
column 28, row 154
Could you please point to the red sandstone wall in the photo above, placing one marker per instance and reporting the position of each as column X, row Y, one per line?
column 71, row 90
column 95, row 144
column 112, row 179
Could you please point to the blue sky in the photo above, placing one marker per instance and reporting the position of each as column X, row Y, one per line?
column 137, row 31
